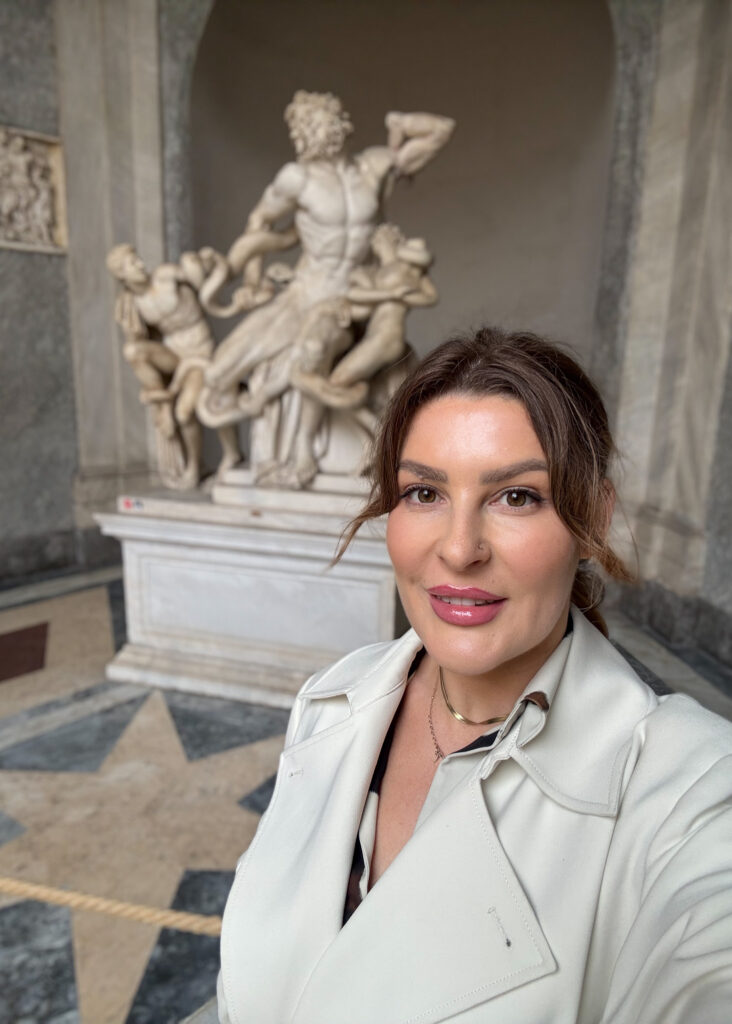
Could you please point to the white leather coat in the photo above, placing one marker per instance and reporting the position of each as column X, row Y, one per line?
column 582, row 873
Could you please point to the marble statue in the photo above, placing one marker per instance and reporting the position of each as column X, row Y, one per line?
column 168, row 343
column 324, row 364
column 336, row 203
column 385, row 293
column 321, row 343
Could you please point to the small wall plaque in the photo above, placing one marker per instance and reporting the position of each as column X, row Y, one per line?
column 32, row 195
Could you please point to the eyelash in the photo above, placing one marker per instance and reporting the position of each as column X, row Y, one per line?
column 535, row 499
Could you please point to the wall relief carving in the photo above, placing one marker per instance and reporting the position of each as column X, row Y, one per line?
column 32, row 214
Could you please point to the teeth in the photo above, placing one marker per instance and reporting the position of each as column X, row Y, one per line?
column 467, row 602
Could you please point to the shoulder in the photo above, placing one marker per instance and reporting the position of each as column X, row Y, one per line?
column 352, row 682
column 290, row 179
column 165, row 272
column 634, row 746
column 683, row 741
column 674, row 729
column 355, row 672
column 378, row 160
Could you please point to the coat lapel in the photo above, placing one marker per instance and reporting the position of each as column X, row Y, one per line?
column 303, row 849
column 447, row 927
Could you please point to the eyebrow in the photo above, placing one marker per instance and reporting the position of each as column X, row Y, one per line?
column 493, row 476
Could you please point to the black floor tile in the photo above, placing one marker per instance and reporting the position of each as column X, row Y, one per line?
column 39, row 710
column 259, row 798
column 181, row 973
column 9, row 828
column 36, row 965
column 208, row 725
column 80, row 746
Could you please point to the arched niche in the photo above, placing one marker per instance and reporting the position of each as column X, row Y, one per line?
column 514, row 208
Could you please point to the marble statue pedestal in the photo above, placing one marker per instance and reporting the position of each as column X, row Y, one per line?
column 237, row 599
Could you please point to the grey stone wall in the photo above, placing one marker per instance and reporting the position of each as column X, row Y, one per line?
column 717, row 587
column 38, row 439
column 635, row 26
column 37, row 429
column 182, row 23
column 27, row 66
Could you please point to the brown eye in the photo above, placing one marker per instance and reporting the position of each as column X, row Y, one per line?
column 516, row 499
column 425, row 495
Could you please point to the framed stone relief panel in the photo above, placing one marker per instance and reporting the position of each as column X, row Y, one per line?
column 32, row 193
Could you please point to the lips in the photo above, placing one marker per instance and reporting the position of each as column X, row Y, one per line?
column 465, row 606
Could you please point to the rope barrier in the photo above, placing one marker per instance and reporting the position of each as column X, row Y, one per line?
column 198, row 924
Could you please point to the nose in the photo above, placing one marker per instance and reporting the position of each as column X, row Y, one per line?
column 464, row 542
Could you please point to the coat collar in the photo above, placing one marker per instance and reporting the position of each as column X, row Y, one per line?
column 575, row 751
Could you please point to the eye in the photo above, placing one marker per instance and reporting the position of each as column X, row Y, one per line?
column 519, row 497
column 417, row 495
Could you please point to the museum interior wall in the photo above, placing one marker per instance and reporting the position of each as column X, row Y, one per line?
column 38, row 438
column 585, row 194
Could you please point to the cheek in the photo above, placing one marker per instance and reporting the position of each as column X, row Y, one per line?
column 396, row 539
column 534, row 549
column 405, row 541
column 549, row 561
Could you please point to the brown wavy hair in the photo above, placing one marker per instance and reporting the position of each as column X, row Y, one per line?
column 567, row 414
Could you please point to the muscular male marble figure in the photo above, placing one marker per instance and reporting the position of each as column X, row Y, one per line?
column 336, row 202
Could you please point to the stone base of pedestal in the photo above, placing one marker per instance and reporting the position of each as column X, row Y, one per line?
column 238, row 600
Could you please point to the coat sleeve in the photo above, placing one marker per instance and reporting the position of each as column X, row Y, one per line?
column 291, row 735
column 675, row 966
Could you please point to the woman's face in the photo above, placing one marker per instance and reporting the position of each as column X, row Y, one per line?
column 483, row 563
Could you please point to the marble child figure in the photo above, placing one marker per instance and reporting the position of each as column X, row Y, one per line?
column 491, row 820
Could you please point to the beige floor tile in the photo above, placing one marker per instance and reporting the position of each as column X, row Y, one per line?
column 50, row 684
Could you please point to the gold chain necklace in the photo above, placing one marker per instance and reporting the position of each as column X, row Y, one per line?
column 456, row 714
column 439, row 753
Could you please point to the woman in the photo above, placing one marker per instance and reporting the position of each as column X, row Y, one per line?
column 491, row 819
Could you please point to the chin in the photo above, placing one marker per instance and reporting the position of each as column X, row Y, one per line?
column 487, row 649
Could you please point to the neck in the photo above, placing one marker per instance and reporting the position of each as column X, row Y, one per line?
column 493, row 693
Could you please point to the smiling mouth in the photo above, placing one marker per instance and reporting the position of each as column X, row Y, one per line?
column 466, row 602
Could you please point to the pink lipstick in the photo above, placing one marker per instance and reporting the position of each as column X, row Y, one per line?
column 464, row 606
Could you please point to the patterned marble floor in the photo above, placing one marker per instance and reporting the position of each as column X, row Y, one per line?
column 141, row 795
column 117, row 791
